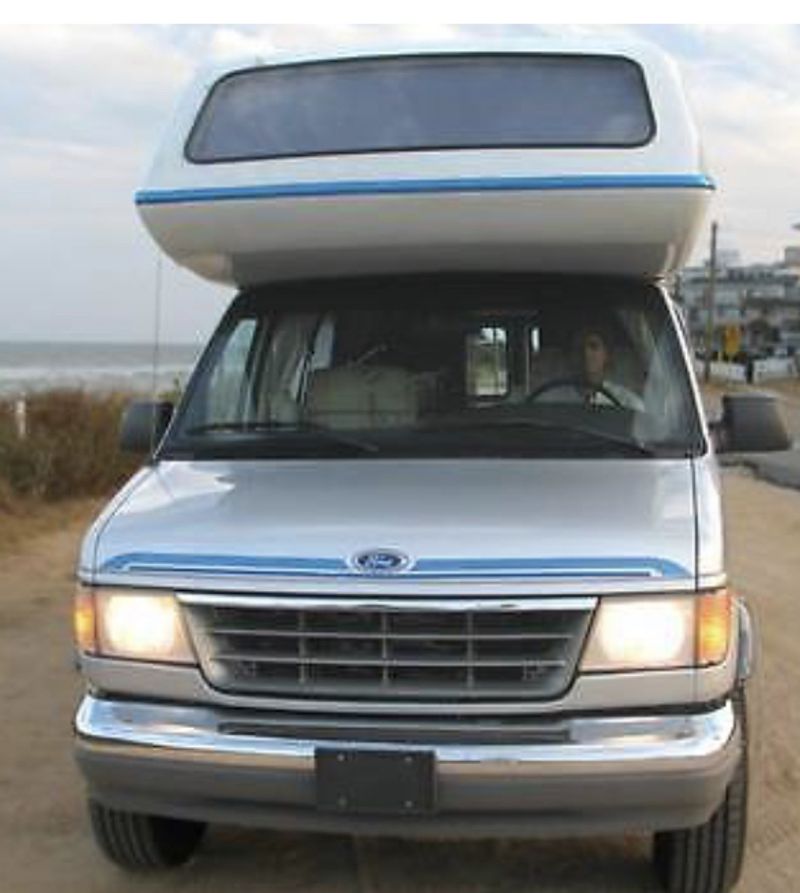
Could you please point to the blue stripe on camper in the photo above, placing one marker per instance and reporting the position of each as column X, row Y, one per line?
column 426, row 568
column 429, row 186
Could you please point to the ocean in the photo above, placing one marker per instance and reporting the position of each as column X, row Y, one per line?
column 38, row 366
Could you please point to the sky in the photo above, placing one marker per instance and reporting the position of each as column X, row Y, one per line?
column 83, row 108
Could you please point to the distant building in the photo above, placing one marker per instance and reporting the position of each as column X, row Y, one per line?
column 756, row 307
column 791, row 256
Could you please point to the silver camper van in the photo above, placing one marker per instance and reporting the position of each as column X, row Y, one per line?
column 432, row 545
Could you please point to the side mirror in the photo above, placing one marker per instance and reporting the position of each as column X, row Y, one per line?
column 143, row 426
column 751, row 423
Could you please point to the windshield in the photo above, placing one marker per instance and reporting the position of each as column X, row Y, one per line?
column 440, row 367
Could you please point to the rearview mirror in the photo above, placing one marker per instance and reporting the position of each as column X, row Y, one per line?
column 750, row 423
column 143, row 425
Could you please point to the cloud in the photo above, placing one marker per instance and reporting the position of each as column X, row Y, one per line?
column 83, row 108
column 765, row 54
column 230, row 41
column 746, row 96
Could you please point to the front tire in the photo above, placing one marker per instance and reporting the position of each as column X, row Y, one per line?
column 139, row 842
column 708, row 858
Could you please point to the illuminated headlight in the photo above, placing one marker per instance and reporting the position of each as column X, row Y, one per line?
column 659, row 632
column 131, row 624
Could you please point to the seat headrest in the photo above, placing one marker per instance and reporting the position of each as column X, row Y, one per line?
column 362, row 397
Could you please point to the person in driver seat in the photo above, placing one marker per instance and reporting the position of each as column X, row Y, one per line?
column 594, row 384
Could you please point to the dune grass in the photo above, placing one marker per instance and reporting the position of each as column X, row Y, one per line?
column 70, row 449
column 65, row 467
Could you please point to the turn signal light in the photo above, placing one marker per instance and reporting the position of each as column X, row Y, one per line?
column 713, row 626
column 84, row 621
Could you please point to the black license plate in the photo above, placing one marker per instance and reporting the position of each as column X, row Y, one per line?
column 378, row 782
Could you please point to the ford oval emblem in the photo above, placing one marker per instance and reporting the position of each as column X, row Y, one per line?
column 381, row 561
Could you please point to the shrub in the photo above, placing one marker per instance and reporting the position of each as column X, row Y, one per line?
column 70, row 449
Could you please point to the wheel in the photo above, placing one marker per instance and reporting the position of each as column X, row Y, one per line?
column 708, row 858
column 143, row 842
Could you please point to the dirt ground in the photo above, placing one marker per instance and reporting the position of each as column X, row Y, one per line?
column 45, row 843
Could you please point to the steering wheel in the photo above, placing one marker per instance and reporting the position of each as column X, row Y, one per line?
column 574, row 381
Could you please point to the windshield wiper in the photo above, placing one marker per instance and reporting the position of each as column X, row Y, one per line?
column 619, row 440
column 629, row 443
column 365, row 446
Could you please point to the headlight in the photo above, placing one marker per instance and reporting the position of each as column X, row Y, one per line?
column 659, row 632
column 131, row 624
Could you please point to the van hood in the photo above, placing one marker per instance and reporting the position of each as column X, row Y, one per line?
column 375, row 523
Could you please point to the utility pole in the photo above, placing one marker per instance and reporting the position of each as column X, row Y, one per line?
column 710, row 301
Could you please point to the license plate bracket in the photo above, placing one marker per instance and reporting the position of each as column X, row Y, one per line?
column 375, row 782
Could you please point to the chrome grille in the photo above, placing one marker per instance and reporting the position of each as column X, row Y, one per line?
column 420, row 650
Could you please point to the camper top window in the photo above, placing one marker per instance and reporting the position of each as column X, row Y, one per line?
column 391, row 104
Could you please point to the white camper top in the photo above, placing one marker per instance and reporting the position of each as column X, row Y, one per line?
column 555, row 157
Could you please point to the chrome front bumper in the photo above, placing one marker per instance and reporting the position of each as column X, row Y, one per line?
column 599, row 773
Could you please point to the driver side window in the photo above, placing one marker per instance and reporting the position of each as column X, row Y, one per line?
column 231, row 382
